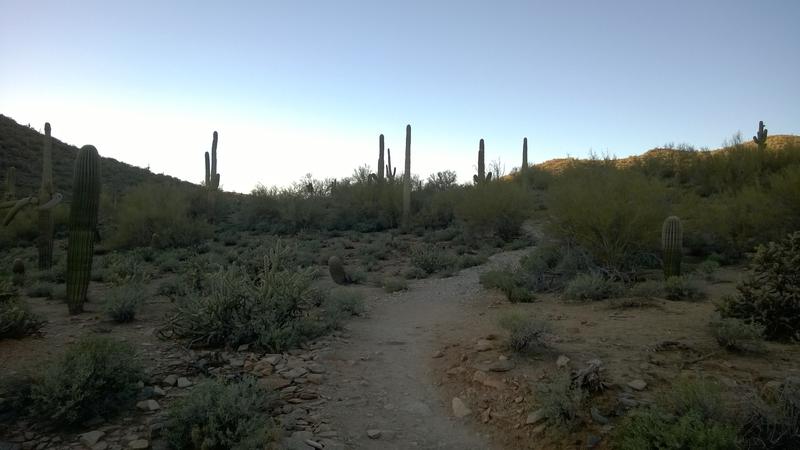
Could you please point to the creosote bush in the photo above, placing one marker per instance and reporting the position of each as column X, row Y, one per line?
column 771, row 295
column 738, row 336
column 123, row 302
column 96, row 376
column 525, row 334
column 17, row 320
column 592, row 287
column 394, row 284
column 683, row 288
column 510, row 283
column 431, row 259
column 498, row 209
column 218, row 416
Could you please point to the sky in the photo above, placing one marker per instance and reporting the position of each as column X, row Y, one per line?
column 302, row 86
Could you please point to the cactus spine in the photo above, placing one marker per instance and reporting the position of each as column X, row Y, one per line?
column 761, row 136
column 46, row 192
column 407, row 180
column 672, row 244
column 82, row 226
column 482, row 176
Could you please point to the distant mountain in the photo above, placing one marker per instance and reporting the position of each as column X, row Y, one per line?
column 21, row 147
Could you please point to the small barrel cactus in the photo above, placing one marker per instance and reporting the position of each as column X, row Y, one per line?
column 82, row 226
column 338, row 274
column 672, row 243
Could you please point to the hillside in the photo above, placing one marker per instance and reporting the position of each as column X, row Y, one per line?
column 21, row 147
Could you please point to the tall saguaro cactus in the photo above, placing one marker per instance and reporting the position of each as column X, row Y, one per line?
column 672, row 244
column 390, row 171
column 482, row 176
column 46, row 192
column 523, row 171
column 407, row 180
column 381, row 168
column 761, row 136
column 82, row 226
column 212, row 177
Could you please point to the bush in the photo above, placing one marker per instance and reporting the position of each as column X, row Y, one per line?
column 123, row 302
column 394, row 284
column 591, row 286
column 524, row 334
column 693, row 414
column 648, row 289
column 509, row 283
column 217, row 416
column 17, row 320
column 431, row 259
column 345, row 302
column 40, row 289
column 683, row 288
column 738, row 336
column 707, row 268
column 561, row 400
column 772, row 421
column 549, row 267
column 97, row 376
column 158, row 215
column 122, row 269
column 771, row 294
column 498, row 209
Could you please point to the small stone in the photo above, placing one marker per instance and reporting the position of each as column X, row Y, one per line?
column 501, row 365
column 139, row 444
column 438, row 354
column 597, row 417
column 314, row 444
column 374, row 434
column 535, row 417
column 184, row 382
column 243, row 348
column 148, row 405
column 102, row 445
column 297, row 372
column 158, row 392
column 170, row 380
column 539, row 429
column 91, row 438
column 637, row 384
column 459, row 408
column 487, row 380
column 562, row 361
column 273, row 359
column 483, row 345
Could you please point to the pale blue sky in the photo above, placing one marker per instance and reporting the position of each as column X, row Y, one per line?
column 306, row 86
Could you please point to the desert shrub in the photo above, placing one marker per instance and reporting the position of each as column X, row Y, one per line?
column 432, row 259
column 613, row 214
column 122, row 269
column 346, row 302
column 524, row 334
column 414, row 273
column 173, row 288
column 706, row 269
column 157, row 215
column 394, row 284
column 770, row 296
column 466, row 261
column 550, row 266
column 217, row 416
column 772, row 421
column 40, row 289
column 509, row 283
column 271, row 310
column 17, row 320
column 591, row 286
column 683, row 288
column 561, row 400
column 123, row 302
column 497, row 208
column 738, row 336
column 647, row 289
column 96, row 376
column 693, row 414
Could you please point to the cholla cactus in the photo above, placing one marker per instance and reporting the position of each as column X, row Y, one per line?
column 82, row 226
column 761, row 136
column 672, row 244
column 482, row 176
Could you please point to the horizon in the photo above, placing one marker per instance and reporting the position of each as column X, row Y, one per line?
column 291, row 94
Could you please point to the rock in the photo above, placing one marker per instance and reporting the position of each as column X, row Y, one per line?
column 628, row 402
column 562, row 361
column 184, row 382
column 539, row 429
column 273, row 359
column 459, row 408
column 637, row 384
column 243, row 348
column 158, row 392
column 314, row 444
column 487, row 380
column 501, row 365
column 316, row 369
column 148, row 405
column 91, row 438
column 535, row 417
column 139, row 444
column 273, row 383
column 170, row 380
column 483, row 345
column 597, row 417
column 297, row 372
column 314, row 378
column 438, row 354
column 374, row 434
column 102, row 445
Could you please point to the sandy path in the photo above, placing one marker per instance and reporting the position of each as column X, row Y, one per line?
column 380, row 378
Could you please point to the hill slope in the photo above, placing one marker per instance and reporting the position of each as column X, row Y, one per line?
column 21, row 147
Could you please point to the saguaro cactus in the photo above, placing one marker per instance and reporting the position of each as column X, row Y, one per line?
column 761, row 136
column 212, row 177
column 482, row 176
column 46, row 192
column 523, row 170
column 390, row 171
column 379, row 177
column 672, row 244
column 407, row 180
column 82, row 226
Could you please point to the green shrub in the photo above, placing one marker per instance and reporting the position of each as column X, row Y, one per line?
column 772, row 421
column 466, row 261
column 591, row 286
column 738, row 336
column 647, row 289
column 157, row 215
column 17, row 320
column 96, row 376
column 431, row 259
column 497, row 208
column 346, row 302
column 770, row 296
column 122, row 269
column 707, row 268
column 394, row 284
column 548, row 267
column 510, row 283
column 561, row 400
column 524, row 333
column 40, row 289
column 123, row 302
column 217, row 416
column 683, row 288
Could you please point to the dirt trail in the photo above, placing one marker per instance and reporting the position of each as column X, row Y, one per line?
column 380, row 378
